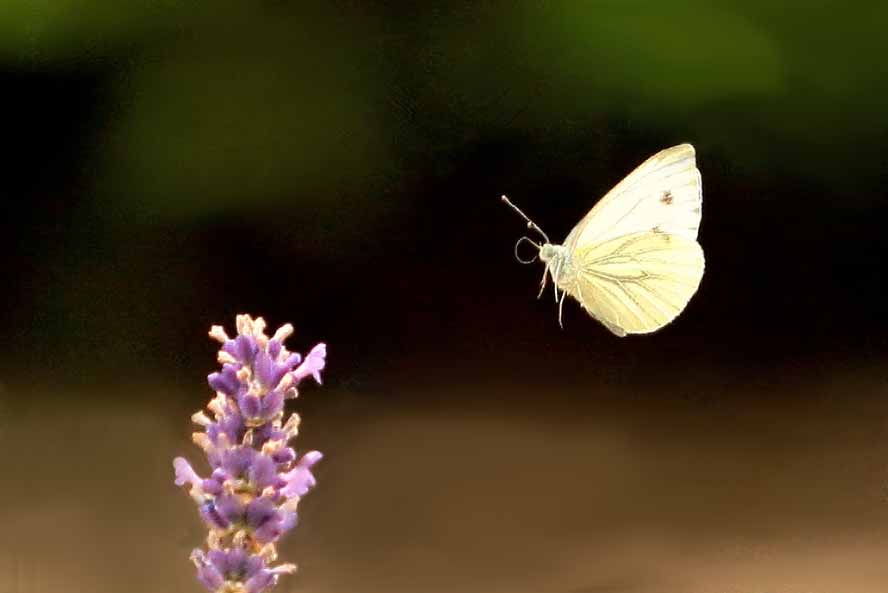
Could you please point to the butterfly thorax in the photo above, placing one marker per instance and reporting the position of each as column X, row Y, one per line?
column 559, row 264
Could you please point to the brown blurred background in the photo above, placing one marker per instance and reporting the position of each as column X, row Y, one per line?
column 338, row 165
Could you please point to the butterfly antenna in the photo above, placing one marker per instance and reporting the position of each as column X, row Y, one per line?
column 518, row 256
column 530, row 224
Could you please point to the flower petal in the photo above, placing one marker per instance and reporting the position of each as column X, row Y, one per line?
column 313, row 365
column 300, row 479
column 249, row 404
column 284, row 455
column 244, row 349
column 237, row 461
column 263, row 471
column 209, row 577
column 185, row 473
column 260, row 582
column 264, row 368
column 231, row 507
column 225, row 381
column 260, row 511
column 211, row 515
column 272, row 404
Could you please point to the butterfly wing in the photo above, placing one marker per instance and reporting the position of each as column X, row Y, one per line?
column 664, row 194
column 637, row 283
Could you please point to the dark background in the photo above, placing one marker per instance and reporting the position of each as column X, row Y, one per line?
column 338, row 166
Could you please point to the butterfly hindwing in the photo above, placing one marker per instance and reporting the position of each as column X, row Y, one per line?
column 639, row 282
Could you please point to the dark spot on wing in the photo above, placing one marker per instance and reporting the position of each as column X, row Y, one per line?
column 666, row 198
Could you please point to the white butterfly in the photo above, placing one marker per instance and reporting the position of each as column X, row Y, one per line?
column 633, row 262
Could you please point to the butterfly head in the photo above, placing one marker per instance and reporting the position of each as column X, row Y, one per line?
column 551, row 253
column 558, row 265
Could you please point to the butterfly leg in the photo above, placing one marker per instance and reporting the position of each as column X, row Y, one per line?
column 555, row 278
column 543, row 282
column 561, row 308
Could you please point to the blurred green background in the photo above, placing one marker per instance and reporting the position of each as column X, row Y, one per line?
column 338, row 165
column 155, row 148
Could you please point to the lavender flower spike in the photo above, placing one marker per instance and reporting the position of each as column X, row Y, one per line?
column 256, row 480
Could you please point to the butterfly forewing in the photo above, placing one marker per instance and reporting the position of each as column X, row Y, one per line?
column 639, row 282
column 662, row 194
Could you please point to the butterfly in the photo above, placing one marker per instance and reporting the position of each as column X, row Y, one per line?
column 633, row 262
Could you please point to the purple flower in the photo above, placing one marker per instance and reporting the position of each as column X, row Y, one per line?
column 284, row 455
column 272, row 404
column 230, row 507
column 268, row 432
column 185, row 473
column 264, row 518
column 250, row 404
column 212, row 516
column 225, row 382
column 237, row 461
column 263, row 472
column 242, row 348
column 250, row 499
column 314, row 363
column 209, row 575
column 212, row 486
column 300, row 479
column 235, row 565
column 257, row 410
column 231, row 425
